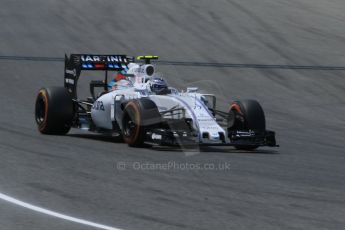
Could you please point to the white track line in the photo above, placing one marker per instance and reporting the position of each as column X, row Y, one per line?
column 55, row 214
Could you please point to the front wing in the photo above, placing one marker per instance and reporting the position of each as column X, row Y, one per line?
column 235, row 138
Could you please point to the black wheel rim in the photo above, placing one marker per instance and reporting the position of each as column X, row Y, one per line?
column 235, row 121
column 40, row 110
column 129, row 126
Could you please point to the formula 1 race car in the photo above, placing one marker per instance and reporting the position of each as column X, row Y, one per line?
column 139, row 106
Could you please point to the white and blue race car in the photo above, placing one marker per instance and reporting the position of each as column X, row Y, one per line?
column 143, row 109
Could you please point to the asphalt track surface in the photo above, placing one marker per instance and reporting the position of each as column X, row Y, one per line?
column 297, row 186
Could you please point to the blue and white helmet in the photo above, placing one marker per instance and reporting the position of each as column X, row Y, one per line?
column 158, row 85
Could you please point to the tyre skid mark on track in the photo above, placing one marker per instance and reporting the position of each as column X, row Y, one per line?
column 193, row 64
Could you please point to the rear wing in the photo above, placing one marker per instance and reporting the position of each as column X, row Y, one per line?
column 76, row 63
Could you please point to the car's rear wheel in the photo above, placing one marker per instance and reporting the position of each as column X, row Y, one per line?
column 138, row 116
column 54, row 110
column 246, row 115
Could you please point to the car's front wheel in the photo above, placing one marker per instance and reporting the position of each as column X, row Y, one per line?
column 138, row 116
column 246, row 115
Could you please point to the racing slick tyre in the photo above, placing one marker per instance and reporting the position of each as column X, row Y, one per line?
column 246, row 115
column 54, row 110
column 138, row 117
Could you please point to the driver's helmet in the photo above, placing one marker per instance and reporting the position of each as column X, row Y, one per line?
column 158, row 85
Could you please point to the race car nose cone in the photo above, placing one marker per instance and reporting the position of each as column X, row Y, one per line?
column 214, row 136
